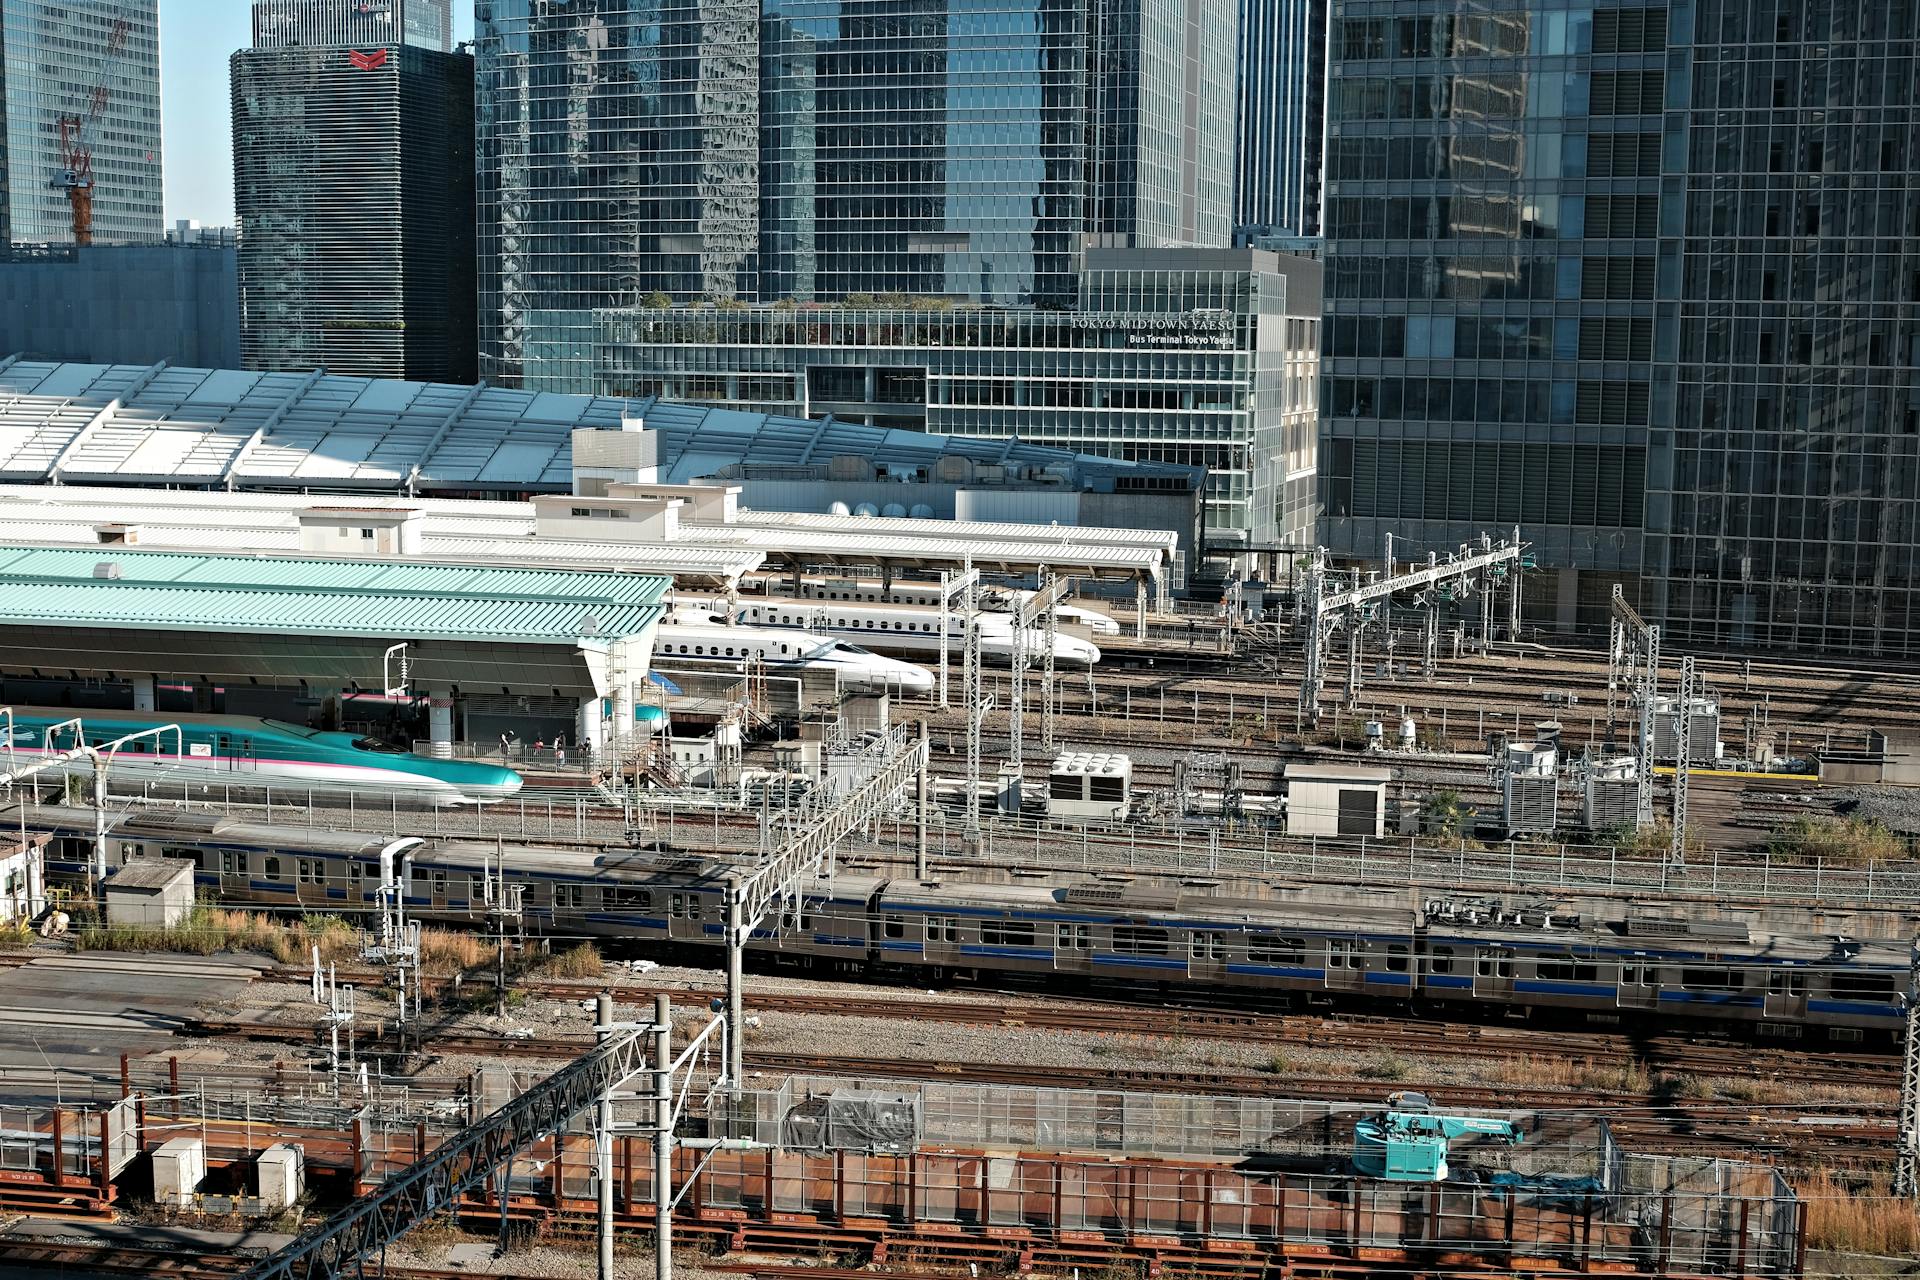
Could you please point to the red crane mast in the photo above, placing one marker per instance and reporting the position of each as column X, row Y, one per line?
column 76, row 140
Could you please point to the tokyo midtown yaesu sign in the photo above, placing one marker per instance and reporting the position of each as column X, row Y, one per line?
column 371, row 60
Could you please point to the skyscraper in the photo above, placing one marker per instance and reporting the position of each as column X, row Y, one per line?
column 812, row 150
column 1641, row 280
column 95, row 63
column 1493, row 232
column 1281, row 122
column 1783, row 483
column 353, row 183
column 279, row 23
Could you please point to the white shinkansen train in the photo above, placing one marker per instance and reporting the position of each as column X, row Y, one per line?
column 998, row 599
column 693, row 636
column 910, row 630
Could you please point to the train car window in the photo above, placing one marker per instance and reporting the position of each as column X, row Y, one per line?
column 476, row 888
column 1397, row 958
column 1710, row 980
column 1861, row 986
column 1277, row 950
column 312, row 871
column 1494, row 964
column 569, row 897
column 621, row 897
column 1342, row 953
column 1787, row 982
column 1566, row 970
column 270, row 868
column 1133, row 940
column 1007, row 933
column 1634, row 975
column 943, row 929
column 893, row 927
column 439, row 882
column 1441, row 961
column 1076, row 937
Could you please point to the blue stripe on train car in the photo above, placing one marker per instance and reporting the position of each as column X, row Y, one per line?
column 1013, row 953
column 643, row 922
column 839, row 940
column 1452, row 981
column 911, row 948
column 1550, row 987
column 1279, row 971
column 270, row 886
column 337, row 895
column 1710, row 997
column 1140, row 962
column 1390, row 979
column 1856, row 1008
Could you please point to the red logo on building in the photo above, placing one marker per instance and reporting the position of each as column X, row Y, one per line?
column 367, row 61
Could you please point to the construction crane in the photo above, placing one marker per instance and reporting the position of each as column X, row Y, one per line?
column 76, row 139
column 1408, row 1141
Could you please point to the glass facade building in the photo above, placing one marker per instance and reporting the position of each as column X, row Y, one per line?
column 1202, row 358
column 813, row 150
column 1282, row 85
column 1643, row 280
column 353, row 184
column 58, row 53
column 427, row 23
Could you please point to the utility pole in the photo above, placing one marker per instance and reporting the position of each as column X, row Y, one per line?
column 603, row 1147
column 1906, row 1163
column 663, row 1136
column 1682, row 757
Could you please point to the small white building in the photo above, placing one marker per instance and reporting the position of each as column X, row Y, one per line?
column 23, row 884
column 151, row 891
column 1336, row 800
column 1090, row 785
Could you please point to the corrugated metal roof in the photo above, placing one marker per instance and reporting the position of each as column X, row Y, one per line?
column 170, row 591
column 234, row 428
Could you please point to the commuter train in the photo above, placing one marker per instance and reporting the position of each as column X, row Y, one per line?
column 912, row 630
column 694, row 636
column 1146, row 941
column 245, row 751
column 999, row 599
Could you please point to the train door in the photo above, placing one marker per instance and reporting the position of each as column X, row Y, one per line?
column 943, row 941
column 1346, row 964
column 1492, row 973
column 1639, row 985
column 1073, row 948
column 235, row 752
column 1206, row 955
column 1786, row 994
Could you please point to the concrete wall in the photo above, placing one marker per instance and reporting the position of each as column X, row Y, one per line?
column 124, row 304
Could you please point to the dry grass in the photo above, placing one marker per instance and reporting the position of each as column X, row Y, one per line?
column 1849, row 1221
column 1852, row 842
column 444, row 951
column 16, row 936
column 209, row 930
column 582, row 961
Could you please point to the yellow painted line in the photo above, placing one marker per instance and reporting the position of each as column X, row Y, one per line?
column 1667, row 770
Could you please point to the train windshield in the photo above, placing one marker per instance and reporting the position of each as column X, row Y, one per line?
column 376, row 744
column 843, row 647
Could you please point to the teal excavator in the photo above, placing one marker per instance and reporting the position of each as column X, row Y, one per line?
column 1408, row 1141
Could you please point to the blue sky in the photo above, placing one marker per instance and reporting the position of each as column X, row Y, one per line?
column 196, row 38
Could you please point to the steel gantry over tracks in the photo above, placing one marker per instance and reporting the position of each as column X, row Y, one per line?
column 437, row 1182
column 1327, row 605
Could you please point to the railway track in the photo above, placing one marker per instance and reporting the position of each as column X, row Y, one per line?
column 1358, row 1033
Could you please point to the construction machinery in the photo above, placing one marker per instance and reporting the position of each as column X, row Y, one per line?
column 1408, row 1141
column 76, row 139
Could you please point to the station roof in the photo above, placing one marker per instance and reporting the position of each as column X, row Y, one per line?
column 228, row 428
column 147, row 590
column 504, row 533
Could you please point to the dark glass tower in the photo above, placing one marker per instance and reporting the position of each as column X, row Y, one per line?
column 1641, row 279
column 353, row 186
column 1493, row 241
column 1784, row 478
column 279, row 23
